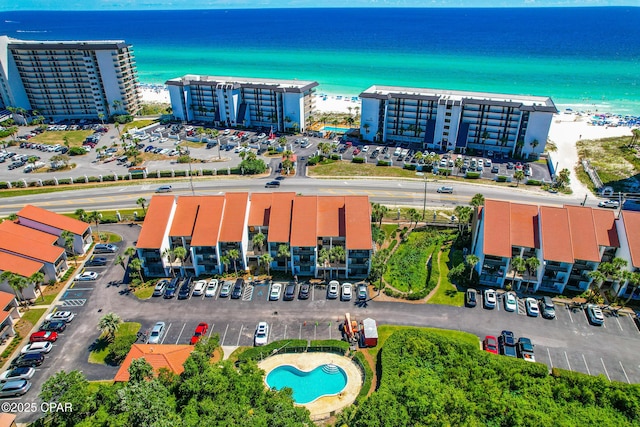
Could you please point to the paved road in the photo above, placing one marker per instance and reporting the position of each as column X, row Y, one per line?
column 568, row 342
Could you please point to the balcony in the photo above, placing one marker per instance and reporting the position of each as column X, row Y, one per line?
column 491, row 279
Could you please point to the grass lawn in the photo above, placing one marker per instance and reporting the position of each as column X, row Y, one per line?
column 94, row 385
column 48, row 299
column 137, row 124
column 33, row 316
column 233, row 357
column 407, row 270
column 144, row 291
column 345, row 168
column 111, row 215
column 76, row 137
column 617, row 165
column 101, row 349
column 446, row 293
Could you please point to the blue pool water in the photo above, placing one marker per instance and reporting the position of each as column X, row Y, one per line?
column 335, row 129
column 325, row 380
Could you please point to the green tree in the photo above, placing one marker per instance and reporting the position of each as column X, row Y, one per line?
column 266, row 260
column 258, row 240
column 518, row 176
column 471, row 260
column 337, row 254
column 109, row 324
column 95, row 216
column 532, row 264
column 81, row 214
column 180, row 253
column 135, row 265
column 234, row 255
column 16, row 282
column 284, row 252
column 68, row 388
column 37, row 279
column 378, row 212
column 69, row 239
column 142, row 202
column 225, row 260
column 324, row 259
column 140, row 370
column 564, row 178
column 170, row 256
column 463, row 213
column 518, row 266
column 477, row 200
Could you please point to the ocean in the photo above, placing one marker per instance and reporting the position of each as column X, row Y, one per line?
column 584, row 58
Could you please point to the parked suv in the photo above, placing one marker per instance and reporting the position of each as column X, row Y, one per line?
column 547, row 308
column 185, row 289
column 237, row 289
column 28, row 360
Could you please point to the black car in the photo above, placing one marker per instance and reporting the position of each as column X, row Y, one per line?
column 96, row 262
column 471, row 297
column 170, row 290
column 28, row 360
column 185, row 289
column 507, row 344
column 54, row 326
column 289, row 292
column 272, row 184
column 237, row 289
column 303, row 293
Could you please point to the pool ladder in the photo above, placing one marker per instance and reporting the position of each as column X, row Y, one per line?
column 330, row 369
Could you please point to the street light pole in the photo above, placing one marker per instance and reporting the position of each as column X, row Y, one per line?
column 424, row 201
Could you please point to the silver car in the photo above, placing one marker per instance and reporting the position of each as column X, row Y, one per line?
column 157, row 333
column 333, row 289
column 15, row 388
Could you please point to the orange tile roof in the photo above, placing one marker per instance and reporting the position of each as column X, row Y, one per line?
column 606, row 231
column 524, row 226
column 19, row 265
column 168, row 356
column 235, row 210
column 5, row 300
column 330, row 216
column 358, row 222
column 7, row 419
column 53, row 219
column 29, row 233
column 184, row 218
column 556, row 235
column 155, row 222
column 303, row 221
column 583, row 234
column 280, row 217
column 207, row 228
column 259, row 209
column 22, row 246
column 497, row 226
column 632, row 230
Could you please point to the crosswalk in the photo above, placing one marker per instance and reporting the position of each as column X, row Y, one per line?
column 73, row 302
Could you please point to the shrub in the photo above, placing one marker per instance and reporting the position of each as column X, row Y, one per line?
column 119, row 348
column 335, row 156
column 184, row 159
column 358, row 160
column 368, row 376
column 77, row 151
column 501, row 178
column 534, row 182
column 165, row 174
column 313, row 160
column 384, row 163
column 180, row 173
column 4, row 185
column 472, row 175
column 94, row 179
column 207, row 172
column 64, row 181
column 122, row 118
column 108, row 178
column 252, row 166
column 79, row 179
column 409, row 166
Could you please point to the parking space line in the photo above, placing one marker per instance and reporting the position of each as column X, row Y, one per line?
column 624, row 372
column 618, row 320
column 211, row 330
column 585, row 364
column 570, row 316
column 166, row 333
column 225, row 334
column 300, row 332
column 605, row 369
column 315, row 329
column 240, row 336
column 633, row 323
column 180, row 334
column 330, row 330
column 567, row 357
column 269, row 334
column 550, row 361
column 285, row 333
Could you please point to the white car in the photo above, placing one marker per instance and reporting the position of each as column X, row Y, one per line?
column 489, row 299
column 87, row 276
column 276, row 289
column 333, row 289
column 595, row 315
column 17, row 374
column 157, row 333
column 612, row 204
column 510, row 302
column 212, row 288
column 532, row 307
column 37, row 347
column 347, row 291
column 199, row 288
column 261, row 336
column 65, row 316
column 365, row 148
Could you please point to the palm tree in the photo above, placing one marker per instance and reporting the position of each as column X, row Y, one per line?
column 458, row 164
column 135, row 265
column 463, row 213
column 180, row 253
column 224, row 260
column 169, row 254
column 477, row 200
column 633, row 280
column 532, row 264
column 234, row 255
column 81, row 214
column 337, row 254
column 518, row 176
column 518, row 265
column 323, row 259
column 377, row 213
column 415, row 216
column 471, row 261
column 12, row 217
column 284, row 252
column 485, row 136
column 9, row 277
column 143, row 203
column 109, row 324
column 95, row 216
column 258, row 240
column 69, row 239
column 37, row 278
column 534, row 144
column 266, row 260
column 563, row 178
column 366, row 127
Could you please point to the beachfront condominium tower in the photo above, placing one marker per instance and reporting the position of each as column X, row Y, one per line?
column 448, row 120
column 69, row 79
column 281, row 105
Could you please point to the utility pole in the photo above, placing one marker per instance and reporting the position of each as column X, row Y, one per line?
column 424, row 200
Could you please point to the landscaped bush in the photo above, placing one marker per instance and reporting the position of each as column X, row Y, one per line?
column 48, row 182
column 473, row 175
column 384, row 163
column 501, row 178
column 94, row 179
column 252, row 166
column 184, row 159
column 368, row 376
column 335, row 157
column 207, row 172
column 108, row 178
column 64, row 181
column 534, row 182
column 313, row 160
column 79, row 179
column 32, row 184
column 165, row 174
column 357, row 160
column 4, row 185
column 180, row 173
column 77, row 151
column 119, row 348
column 18, row 184
column 255, row 353
column 409, row 166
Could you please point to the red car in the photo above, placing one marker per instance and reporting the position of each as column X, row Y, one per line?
column 519, row 166
column 42, row 336
column 356, row 151
column 490, row 344
column 201, row 329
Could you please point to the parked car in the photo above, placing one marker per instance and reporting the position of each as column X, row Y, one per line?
column 170, row 290
column 15, row 388
column 490, row 344
column 595, row 315
column 445, row 189
column 212, row 288
column 547, row 308
column 289, row 292
column 525, row 349
column 17, row 374
column 489, row 299
column 102, row 248
column 333, row 289
column 225, row 290
column 55, row 326
column 37, row 347
column 363, row 293
column 157, row 333
column 28, row 360
column 96, row 261
column 41, row 336
column 236, row 293
column 347, row 291
column 612, row 204
column 510, row 302
column 160, row 287
column 63, row 316
column 199, row 288
column 276, row 290
column 507, row 344
column 185, row 288
column 471, row 297
column 532, row 307
column 164, row 189
column 304, row 291
column 200, row 331
column 87, row 276
column 261, row 335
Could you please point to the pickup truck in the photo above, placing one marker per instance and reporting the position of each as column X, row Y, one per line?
column 525, row 349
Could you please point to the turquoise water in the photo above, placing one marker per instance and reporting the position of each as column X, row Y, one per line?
column 335, row 129
column 325, row 380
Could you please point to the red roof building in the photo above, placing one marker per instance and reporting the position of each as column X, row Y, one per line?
column 168, row 356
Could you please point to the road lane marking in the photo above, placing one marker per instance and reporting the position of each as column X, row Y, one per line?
column 605, row 369
column 239, row 336
column 550, row 361
column 225, row 334
column 567, row 357
column 624, row 372
column 585, row 364
column 180, row 334
column 165, row 334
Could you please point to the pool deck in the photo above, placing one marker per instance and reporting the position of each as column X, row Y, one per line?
column 326, row 406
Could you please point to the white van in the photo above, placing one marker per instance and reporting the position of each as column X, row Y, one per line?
column 397, row 151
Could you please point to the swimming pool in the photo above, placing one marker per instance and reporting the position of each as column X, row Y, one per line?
column 307, row 386
column 335, row 129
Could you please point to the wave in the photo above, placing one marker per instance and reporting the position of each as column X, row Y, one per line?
column 11, row 22
column 32, row 31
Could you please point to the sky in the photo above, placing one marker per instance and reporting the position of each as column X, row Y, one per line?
column 15, row 5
